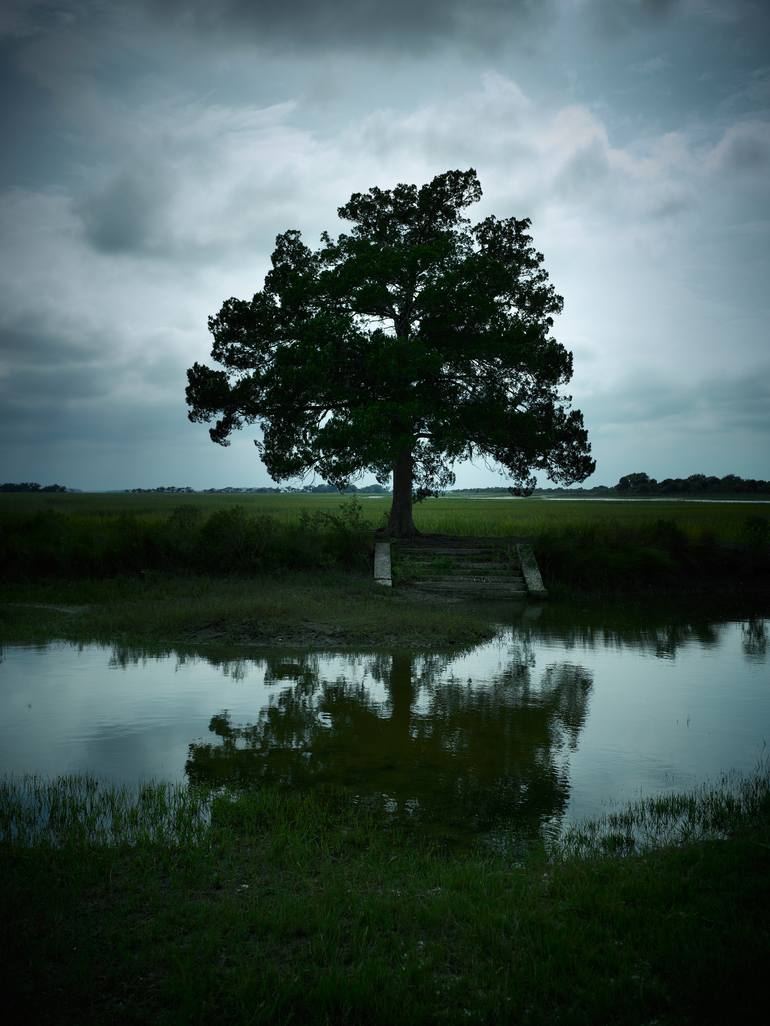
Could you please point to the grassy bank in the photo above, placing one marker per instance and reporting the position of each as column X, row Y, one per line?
column 320, row 609
column 295, row 908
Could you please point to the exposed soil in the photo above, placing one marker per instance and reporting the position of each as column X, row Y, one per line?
column 318, row 636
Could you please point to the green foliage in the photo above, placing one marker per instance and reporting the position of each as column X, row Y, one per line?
column 652, row 556
column 641, row 484
column 232, row 540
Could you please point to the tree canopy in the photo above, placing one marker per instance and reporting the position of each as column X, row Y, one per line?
column 403, row 345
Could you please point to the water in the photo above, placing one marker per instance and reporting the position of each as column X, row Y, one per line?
column 561, row 717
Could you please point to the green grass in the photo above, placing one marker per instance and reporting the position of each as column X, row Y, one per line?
column 583, row 548
column 322, row 609
column 303, row 908
column 78, row 811
column 707, row 813
column 445, row 515
column 654, row 556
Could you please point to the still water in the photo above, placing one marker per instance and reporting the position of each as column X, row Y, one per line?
column 552, row 721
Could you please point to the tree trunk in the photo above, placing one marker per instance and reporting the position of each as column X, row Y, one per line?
column 400, row 523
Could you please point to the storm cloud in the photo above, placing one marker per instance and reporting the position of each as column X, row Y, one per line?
column 159, row 148
column 335, row 25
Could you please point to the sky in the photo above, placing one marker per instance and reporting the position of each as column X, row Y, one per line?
column 154, row 149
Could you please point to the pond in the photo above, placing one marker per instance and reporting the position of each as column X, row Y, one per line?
column 561, row 716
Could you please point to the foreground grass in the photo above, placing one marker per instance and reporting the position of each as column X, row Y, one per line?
column 321, row 609
column 295, row 908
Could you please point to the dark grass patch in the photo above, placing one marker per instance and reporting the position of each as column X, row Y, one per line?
column 321, row 609
column 582, row 547
column 302, row 908
column 225, row 541
column 654, row 557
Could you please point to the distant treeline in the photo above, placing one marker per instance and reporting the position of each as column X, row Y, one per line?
column 639, row 484
column 326, row 489
column 695, row 484
column 321, row 489
column 30, row 486
column 644, row 486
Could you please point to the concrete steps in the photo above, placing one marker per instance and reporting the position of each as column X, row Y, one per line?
column 448, row 567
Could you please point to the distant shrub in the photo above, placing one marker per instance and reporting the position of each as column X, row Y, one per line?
column 652, row 556
column 756, row 531
column 228, row 541
column 231, row 541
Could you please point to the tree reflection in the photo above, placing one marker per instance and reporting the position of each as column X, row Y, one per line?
column 458, row 756
column 663, row 632
column 754, row 633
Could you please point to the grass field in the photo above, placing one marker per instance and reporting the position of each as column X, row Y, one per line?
column 283, row 907
column 444, row 515
column 583, row 546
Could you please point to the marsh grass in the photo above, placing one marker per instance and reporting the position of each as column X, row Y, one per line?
column 655, row 555
column 708, row 813
column 729, row 521
column 231, row 540
column 93, row 536
column 81, row 811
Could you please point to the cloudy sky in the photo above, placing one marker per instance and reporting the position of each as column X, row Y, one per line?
column 154, row 149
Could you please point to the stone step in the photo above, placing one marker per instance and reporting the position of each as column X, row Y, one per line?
column 480, row 594
column 441, row 550
column 472, row 570
column 466, row 564
column 466, row 557
column 467, row 583
column 456, row 566
column 455, row 560
column 493, row 578
column 482, row 587
column 471, row 579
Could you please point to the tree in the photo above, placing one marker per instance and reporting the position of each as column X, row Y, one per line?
column 410, row 342
column 639, row 482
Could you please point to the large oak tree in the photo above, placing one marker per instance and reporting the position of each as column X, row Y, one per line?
column 407, row 343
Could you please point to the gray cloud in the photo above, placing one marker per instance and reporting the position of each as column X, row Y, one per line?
column 124, row 215
column 744, row 148
column 400, row 25
column 728, row 401
column 159, row 147
column 614, row 18
column 26, row 344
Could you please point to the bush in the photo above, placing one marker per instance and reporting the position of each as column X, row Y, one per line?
column 648, row 557
column 228, row 541
column 756, row 531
